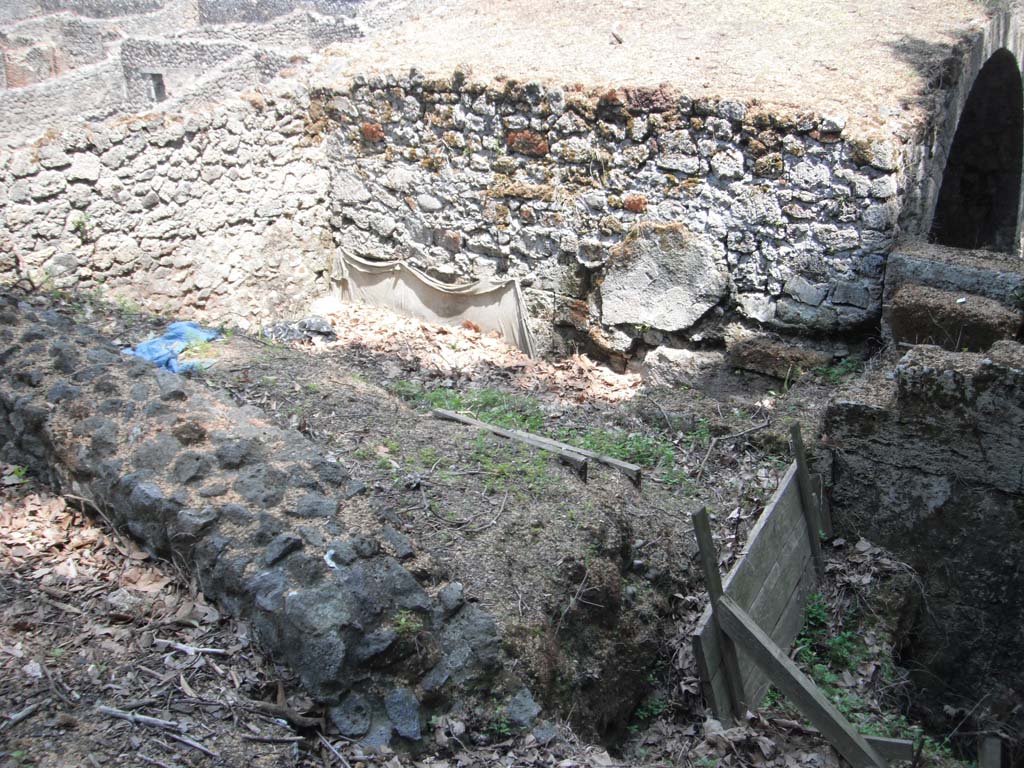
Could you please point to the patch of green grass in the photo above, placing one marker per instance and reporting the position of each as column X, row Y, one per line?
column 635, row 448
column 507, row 465
column 826, row 655
column 700, row 435
column 833, row 374
column 490, row 405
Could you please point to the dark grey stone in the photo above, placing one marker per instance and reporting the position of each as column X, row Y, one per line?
column 521, row 709
column 106, row 386
column 545, row 733
column 62, row 391
column 280, row 547
column 300, row 478
column 268, row 588
column 65, row 357
column 352, row 716
column 155, row 408
column 343, row 553
column 234, row 453
column 189, row 432
column 261, row 484
column 104, row 439
column 191, row 466
column 191, row 523
column 157, row 453
column 404, row 711
column 236, row 513
column 374, row 644
column 304, row 568
column 365, row 546
column 399, row 542
column 354, row 488
column 317, row 610
column 331, row 472
column 315, row 505
column 172, row 386
column 146, row 497
column 139, row 392
column 213, row 490
column 29, row 376
column 311, row 536
column 451, row 597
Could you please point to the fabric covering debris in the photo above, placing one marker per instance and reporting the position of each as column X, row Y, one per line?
column 491, row 305
column 164, row 350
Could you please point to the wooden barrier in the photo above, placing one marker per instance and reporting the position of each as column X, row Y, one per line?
column 771, row 581
column 759, row 610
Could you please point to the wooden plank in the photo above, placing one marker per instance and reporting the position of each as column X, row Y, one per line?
column 795, row 685
column 810, row 506
column 782, row 514
column 772, row 548
column 632, row 471
column 990, row 752
column 892, row 750
column 713, row 581
column 824, row 507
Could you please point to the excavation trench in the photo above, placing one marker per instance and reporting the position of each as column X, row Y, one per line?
column 928, row 464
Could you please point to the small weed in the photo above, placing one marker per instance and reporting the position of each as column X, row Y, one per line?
column 407, row 624
column 700, row 435
column 312, row 387
column 80, row 226
column 19, row 471
column 499, row 727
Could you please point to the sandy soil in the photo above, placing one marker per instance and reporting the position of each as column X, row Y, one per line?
column 868, row 59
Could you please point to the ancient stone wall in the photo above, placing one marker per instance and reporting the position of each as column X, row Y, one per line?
column 219, row 215
column 258, row 514
column 931, row 465
column 629, row 213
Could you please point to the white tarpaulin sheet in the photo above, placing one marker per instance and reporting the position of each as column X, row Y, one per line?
column 491, row 305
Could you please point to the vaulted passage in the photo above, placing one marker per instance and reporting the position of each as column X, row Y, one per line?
column 980, row 192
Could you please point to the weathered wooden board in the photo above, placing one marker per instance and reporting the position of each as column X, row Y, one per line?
column 770, row 581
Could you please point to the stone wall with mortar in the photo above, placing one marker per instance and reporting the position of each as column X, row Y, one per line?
column 219, row 215
column 258, row 514
column 930, row 464
column 627, row 214
column 631, row 216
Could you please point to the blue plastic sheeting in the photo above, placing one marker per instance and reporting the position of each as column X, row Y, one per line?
column 164, row 350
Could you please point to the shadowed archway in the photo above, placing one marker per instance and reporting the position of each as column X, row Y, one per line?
column 980, row 196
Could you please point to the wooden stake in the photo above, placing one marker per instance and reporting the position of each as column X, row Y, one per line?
column 569, row 453
column 990, row 752
column 807, row 500
column 713, row 580
column 795, row 685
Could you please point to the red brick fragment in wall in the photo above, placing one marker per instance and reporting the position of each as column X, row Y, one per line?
column 527, row 143
column 372, row 131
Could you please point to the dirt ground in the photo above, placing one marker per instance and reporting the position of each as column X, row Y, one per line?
column 88, row 620
column 870, row 60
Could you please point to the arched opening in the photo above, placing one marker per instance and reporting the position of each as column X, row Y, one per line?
column 980, row 194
